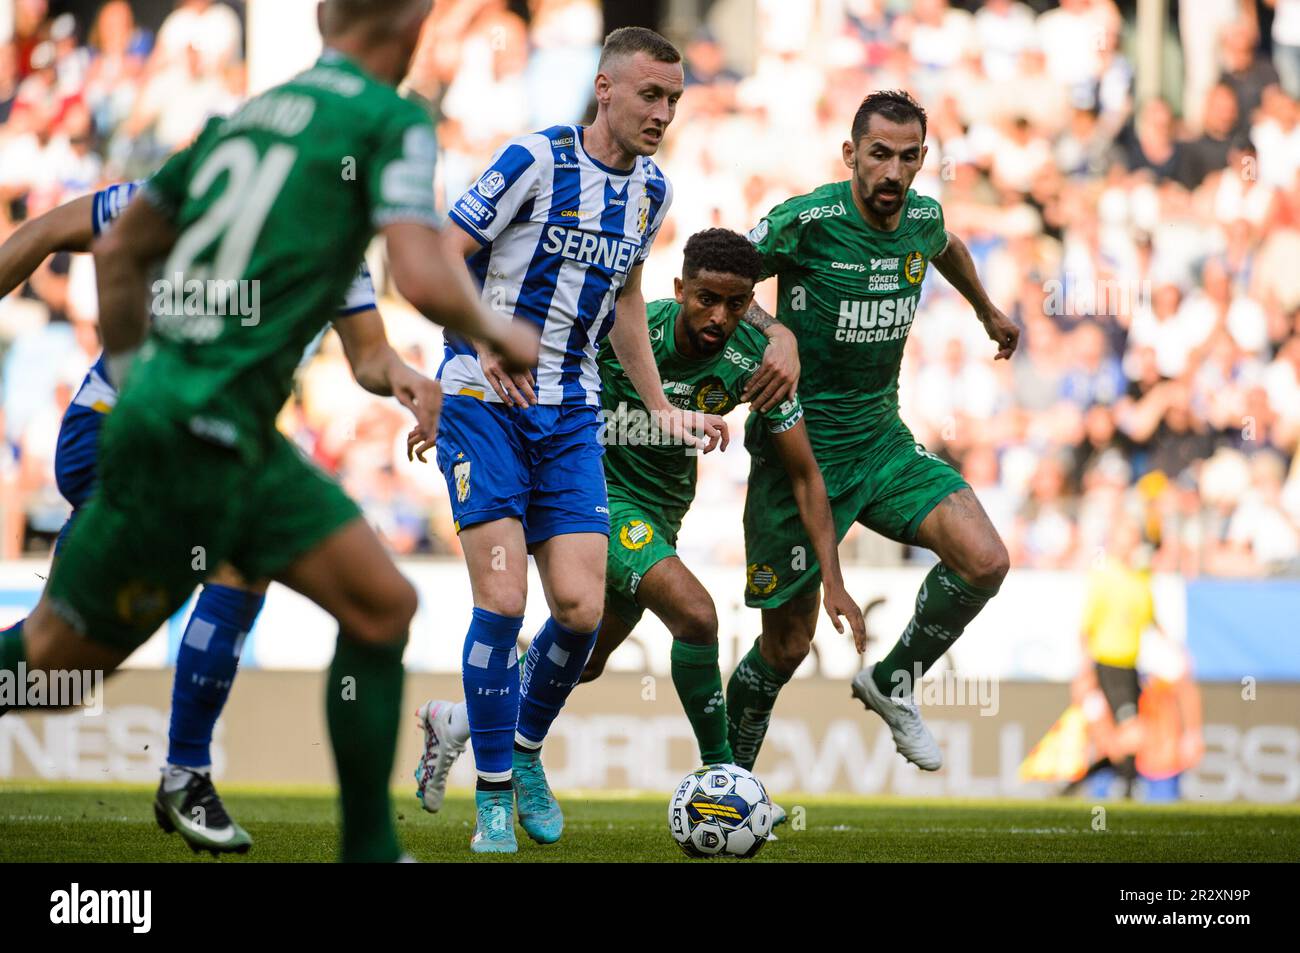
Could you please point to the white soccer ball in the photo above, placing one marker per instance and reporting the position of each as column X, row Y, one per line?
column 721, row 810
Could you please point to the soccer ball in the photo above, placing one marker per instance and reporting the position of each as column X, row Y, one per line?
column 720, row 811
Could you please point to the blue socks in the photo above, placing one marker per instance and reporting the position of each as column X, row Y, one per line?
column 489, row 671
column 205, row 669
column 551, row 670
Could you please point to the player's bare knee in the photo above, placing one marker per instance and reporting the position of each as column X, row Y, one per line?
column 699, row 626
column 578, row 612
column 501, row 593
column 789, row 656
column 785, row 651
column 385, row 620
column 989, row 563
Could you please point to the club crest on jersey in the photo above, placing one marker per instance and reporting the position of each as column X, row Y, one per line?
column 761, row 579
column 711, row 397
column 914, row 267
column 491, row 184
column 635, row 534
column 461, row 474
column 142, row 604
column 642, row 214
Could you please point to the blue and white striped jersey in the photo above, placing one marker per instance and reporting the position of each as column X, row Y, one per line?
column 97, row 392
column 560, row 234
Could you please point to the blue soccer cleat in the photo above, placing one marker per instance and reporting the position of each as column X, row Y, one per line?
column 539, row 812
column 494, row 832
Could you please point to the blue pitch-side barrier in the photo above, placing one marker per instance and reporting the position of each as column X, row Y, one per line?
column 1239, row 628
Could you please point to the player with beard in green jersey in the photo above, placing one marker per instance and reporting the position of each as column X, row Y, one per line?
column 850, row 258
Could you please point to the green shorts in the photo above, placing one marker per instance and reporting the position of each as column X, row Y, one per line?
column 638, row 539
column 890, row 490
column 170, row 508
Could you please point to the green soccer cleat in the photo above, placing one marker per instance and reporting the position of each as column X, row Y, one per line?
column 539, row 812
column 196, row 813
column 494, row 832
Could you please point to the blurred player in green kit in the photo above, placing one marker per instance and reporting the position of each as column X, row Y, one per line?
column 280, row 199
column 849, row 258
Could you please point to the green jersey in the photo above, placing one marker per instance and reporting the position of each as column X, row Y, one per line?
column 638, row 465
column 849, row 292
column 274, row 207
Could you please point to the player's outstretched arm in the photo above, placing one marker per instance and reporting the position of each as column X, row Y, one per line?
column 380, row 369
column 777, row 378
column 437, row 285
column 66, row 228
column 796, row 453
column 515, row 390
column 956, row 264
column 123, row 259
column 630, row 338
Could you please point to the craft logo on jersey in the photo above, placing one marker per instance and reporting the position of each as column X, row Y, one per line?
column 761, row 579
column 636, row 534
column 914, row 268
column 491, row 184
column 461, row 472
column 711, row 396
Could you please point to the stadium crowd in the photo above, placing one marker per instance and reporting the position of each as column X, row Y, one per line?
column 1147, row 249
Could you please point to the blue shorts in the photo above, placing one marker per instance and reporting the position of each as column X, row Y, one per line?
column 541, row 465
column 76, row 460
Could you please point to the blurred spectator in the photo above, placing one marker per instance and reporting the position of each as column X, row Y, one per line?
column 199, row 36
column 1004, row 29
column 1150, row 145
column 1149, row 258
column 1243, row 72
column 1209, row 151
column 1286, row 43
column 565, row 37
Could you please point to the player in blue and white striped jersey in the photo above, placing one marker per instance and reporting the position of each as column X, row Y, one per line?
column 228, row 605
column 560, row 234
column 555, row 233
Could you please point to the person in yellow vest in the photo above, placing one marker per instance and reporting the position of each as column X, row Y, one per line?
column 1118, row 609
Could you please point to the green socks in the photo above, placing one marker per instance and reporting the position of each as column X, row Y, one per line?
column 945, row 605
column 751, row 694
column 699, row 685
column 363, row 703
column 12, row 652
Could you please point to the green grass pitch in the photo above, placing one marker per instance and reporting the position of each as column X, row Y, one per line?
column 61, row 822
